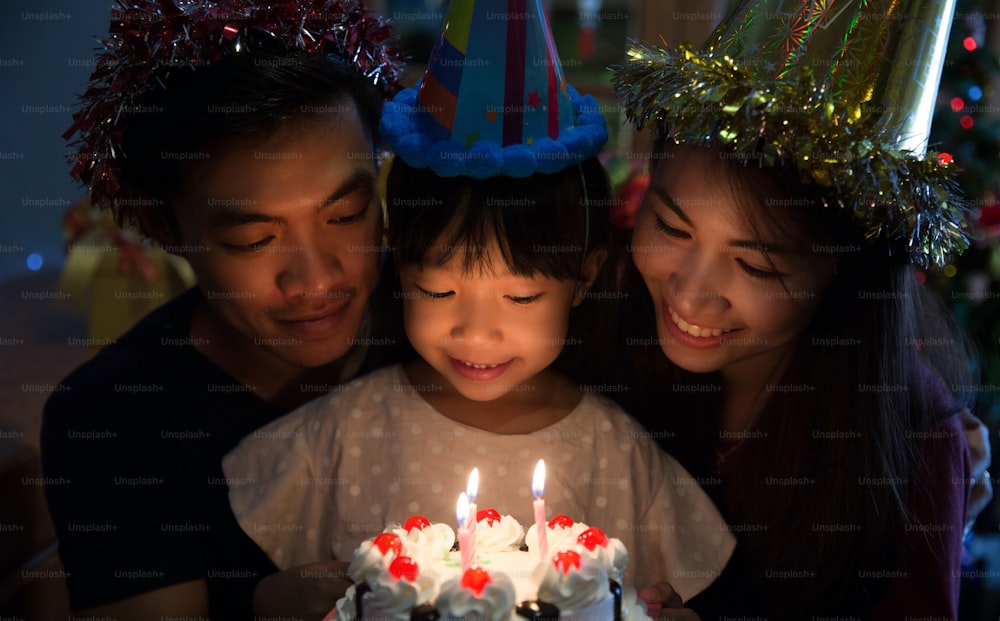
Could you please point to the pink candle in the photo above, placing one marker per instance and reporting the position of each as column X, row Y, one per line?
column 537, row 489
column 464, row 535
column 472, row 491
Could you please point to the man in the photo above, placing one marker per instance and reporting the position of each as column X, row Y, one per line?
column 249, row 149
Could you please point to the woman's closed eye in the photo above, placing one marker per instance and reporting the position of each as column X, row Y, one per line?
column 756, row 272
column 670, row 230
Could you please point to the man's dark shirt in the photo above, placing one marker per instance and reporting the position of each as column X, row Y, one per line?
column 132, row 443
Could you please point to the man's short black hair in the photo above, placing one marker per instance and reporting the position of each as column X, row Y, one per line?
column 244, row 96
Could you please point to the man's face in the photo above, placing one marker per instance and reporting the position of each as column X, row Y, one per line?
column 283, row 235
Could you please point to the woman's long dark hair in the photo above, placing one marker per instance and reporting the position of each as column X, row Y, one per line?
column 819, row 492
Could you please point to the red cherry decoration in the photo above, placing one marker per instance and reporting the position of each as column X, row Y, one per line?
column 492, row 516
column 388, row 541
column 404, row 568
column 416, row 521
column 592, row 537
column 475, row 579
column 564, row 521
column 567, row 560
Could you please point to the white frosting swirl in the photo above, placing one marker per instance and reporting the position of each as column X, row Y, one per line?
column 560, row 538
column 397, row 597
column 575, row 589
column 613, row 556
column 427, row 545
column 346, row 609
column 367, row 558
column 503, row 536
column 633, row 608
column 495, row 603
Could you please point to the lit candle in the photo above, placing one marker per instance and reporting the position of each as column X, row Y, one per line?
column 537, row 489
column 472, row 490
column 464, row 535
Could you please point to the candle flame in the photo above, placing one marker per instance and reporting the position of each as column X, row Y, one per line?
column 538, row 481
column 472, row 489
column 462, row 509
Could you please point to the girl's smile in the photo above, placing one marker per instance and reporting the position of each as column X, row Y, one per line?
column 480, row 372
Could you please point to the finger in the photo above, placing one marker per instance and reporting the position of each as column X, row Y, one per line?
column 661, row 593
column 978, row 438
column 982, row 493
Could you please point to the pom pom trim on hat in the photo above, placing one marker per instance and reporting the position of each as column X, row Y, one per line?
column 485, row 159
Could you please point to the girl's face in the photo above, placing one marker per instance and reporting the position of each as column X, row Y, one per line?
column 487, row 332
column 720, row 305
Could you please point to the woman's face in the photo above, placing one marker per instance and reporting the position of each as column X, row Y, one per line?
column 720, row 304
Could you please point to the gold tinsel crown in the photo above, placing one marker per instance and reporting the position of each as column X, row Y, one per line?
column 843, row 95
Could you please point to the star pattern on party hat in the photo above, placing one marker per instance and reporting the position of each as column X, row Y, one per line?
column 512, row 97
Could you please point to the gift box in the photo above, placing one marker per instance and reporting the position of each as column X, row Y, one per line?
column 116, row 277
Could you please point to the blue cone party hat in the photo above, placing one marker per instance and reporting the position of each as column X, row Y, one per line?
column 494, row 100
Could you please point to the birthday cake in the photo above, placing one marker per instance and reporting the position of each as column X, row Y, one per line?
column 412, row 572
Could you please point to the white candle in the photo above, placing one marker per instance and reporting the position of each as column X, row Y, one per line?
column 472, row 491
column 464, row 535
column 537, row 489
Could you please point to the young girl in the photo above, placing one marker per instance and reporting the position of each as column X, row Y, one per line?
column 812, row 376
column 490, row 272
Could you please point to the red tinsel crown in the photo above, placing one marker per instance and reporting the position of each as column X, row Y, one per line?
column 150, row 38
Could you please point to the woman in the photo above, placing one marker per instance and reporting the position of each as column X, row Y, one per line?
column 811, row 396
column 802, row 372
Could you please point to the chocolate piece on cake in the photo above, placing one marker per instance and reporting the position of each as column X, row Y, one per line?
column 538, row 611
column 424, row 612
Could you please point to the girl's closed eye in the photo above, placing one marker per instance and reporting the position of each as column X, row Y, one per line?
column 434, row 295
column 524, row 299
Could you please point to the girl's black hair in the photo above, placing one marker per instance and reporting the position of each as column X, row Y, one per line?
column 872, row 374
column 540, row 223
column 244, row 96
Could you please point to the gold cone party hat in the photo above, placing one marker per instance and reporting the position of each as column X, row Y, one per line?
column 844, row 90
